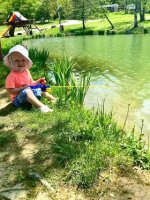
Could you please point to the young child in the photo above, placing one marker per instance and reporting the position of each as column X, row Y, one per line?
column 19, row 80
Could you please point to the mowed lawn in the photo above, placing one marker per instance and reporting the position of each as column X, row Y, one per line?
column 122, row 23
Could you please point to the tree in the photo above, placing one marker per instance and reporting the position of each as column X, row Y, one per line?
column 43, row 10
column 81, row 10
column 105, row 15
column 126, row 2
column 135, row 14
column 5, row 9
column 28, row 10
column 25, row 7
column 98, row 9
column 143, row 4
column 67, row 8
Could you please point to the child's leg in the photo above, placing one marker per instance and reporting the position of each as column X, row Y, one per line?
column 49, row 96
column 27, row 95
column 31, row 98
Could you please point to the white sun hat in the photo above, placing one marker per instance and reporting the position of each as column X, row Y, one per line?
column 22, row 50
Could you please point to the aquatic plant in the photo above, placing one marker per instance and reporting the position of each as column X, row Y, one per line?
column 62, row 71
column 39, row 57
column 79, row 88
column 91, row 141
column 72, row 89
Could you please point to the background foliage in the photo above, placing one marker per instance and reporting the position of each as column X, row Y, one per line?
column 71, row 8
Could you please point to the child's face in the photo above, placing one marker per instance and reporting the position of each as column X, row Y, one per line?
column 18, row 62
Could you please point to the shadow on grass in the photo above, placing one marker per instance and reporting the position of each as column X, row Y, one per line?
column 7, row 137
column 7, row 110
column 58, row 149
column 44, row 161
column 81, row 31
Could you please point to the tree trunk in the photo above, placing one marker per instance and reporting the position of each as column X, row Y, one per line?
column 1, row 53
column 83, row 17
column 143, row 13
column 112, row 26
column 103, row 11
column 135, row 16
column 140, row 12
column 83, row 23
column 125, row 7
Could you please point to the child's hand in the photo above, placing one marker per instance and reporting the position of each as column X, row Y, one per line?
column 42, row 81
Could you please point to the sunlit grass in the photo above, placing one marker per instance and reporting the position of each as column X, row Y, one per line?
column 122, row 23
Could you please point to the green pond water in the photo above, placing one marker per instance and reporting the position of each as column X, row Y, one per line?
column 120, row 69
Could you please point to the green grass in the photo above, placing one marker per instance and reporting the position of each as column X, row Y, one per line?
column 3, row 73
column 79, row 143
column 6, row 138
column 2, row 28
column 71, row 145
column 49, row 24
column 122, row 24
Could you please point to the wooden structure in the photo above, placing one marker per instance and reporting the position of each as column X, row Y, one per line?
column 17, row 20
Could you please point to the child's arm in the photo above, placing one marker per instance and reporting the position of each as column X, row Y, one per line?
column 16, row 90
column 39, row 81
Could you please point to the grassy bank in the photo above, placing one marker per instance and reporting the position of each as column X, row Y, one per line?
column 123, row 24
column 71, row 148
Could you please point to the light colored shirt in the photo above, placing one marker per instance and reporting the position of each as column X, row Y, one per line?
column 18, row 79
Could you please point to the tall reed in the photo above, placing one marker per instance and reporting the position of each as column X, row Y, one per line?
column 79, row 88
column 62, row 71
column 70, row 89
column 40, row 57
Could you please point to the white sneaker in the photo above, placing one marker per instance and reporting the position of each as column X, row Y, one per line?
column 45, row 109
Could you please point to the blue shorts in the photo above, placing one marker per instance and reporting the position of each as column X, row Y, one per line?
column 21, row 98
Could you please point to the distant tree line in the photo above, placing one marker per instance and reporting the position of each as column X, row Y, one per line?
column 71, row 9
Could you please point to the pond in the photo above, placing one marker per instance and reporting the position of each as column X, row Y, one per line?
column 120, row 69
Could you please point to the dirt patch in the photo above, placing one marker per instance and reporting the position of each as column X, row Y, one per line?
column 4, row 98
column 134, row 185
